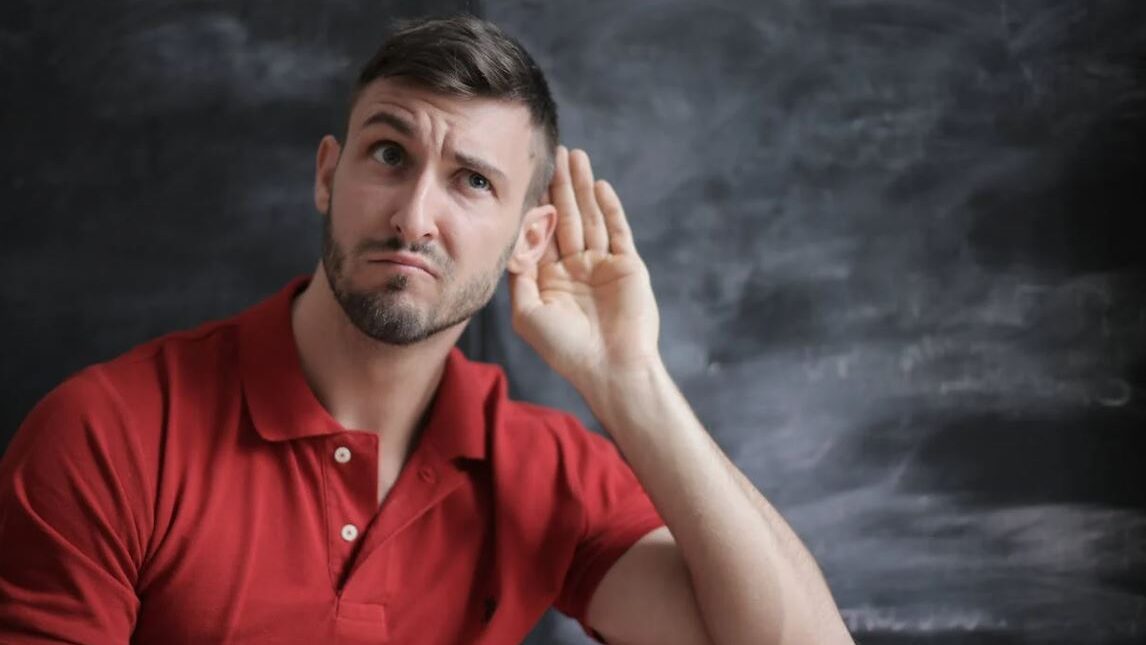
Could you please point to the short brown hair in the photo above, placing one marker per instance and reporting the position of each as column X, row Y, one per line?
column 465, row 56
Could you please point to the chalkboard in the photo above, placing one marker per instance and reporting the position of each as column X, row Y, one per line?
column 897, row 248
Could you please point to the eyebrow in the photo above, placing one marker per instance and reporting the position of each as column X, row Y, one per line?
column 393, row 120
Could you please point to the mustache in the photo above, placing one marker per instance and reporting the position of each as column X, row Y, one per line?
column 394, row 244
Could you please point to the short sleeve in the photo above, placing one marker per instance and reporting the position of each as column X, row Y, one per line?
column 617, row 512
column 71, row 527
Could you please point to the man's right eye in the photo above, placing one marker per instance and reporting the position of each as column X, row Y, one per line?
column 389, row 153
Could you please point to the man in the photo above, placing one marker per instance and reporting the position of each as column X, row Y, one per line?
column 326, row 467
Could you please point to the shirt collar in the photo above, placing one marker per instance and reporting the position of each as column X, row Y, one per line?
column 282, row 406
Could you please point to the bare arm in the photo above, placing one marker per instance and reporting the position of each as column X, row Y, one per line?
column 731, row 571
column 753, row 580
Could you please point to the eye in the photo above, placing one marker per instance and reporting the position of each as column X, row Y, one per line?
column 389, row 153
column 478, row 182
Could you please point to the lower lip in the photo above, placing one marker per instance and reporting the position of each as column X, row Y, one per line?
column 402, row 268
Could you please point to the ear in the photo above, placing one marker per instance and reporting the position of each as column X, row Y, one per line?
column 533, row 239
column 325, row 163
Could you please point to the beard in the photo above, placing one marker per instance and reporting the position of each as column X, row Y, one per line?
column 385, row 314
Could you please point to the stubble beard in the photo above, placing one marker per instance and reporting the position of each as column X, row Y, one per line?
column 385, row 315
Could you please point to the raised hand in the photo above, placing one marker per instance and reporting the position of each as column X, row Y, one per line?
column 587, row 307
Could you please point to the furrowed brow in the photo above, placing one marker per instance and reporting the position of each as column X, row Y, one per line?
column 393, row 120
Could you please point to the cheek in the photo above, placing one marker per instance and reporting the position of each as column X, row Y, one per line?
column 475, row 237
column 358, row 210
column 358, row 197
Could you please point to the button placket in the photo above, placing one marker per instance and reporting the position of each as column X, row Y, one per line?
column 351, row 483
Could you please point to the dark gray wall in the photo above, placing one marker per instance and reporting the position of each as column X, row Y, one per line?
column 897, row 247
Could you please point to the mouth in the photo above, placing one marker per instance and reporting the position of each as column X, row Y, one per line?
column 404, row 263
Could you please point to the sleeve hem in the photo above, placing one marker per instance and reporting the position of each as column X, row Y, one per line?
column 633, row 521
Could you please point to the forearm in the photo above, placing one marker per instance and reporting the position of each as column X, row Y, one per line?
column 754, row 580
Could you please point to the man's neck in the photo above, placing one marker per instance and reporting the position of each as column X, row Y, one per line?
column 362, row 383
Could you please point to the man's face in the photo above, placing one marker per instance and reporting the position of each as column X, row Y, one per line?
column 423, row 207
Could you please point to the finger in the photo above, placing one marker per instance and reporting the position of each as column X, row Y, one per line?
column 524, row 295
column 570, row 238
column 592, row 221
column 551, row 253
column 620, row 235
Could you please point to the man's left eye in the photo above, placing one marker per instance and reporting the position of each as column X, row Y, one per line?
column 478, row 182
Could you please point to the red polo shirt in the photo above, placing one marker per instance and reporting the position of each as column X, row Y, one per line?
column 194, row 491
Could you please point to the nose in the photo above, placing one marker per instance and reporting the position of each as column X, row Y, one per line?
column 416, row 220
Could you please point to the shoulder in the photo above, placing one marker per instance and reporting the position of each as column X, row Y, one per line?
column 534, row 426
column 524, row 432
column 539, row 443
column 473, row 384
column 200, row 349
column 112, row 403
column 529, row 426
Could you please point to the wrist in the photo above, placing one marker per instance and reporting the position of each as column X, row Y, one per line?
column 619, row 395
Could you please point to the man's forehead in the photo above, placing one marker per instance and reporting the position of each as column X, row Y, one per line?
column 417, row 107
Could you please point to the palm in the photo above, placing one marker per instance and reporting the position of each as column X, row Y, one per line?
column 588, row 304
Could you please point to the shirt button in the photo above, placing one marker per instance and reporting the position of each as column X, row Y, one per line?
column 349, row 532
column 342, row 454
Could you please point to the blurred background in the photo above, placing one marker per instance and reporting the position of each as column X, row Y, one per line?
column 898, row 247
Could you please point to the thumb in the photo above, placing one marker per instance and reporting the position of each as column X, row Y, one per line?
column 524, row 295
